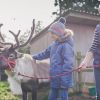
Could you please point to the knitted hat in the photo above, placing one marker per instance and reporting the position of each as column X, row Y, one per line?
column 58, row 27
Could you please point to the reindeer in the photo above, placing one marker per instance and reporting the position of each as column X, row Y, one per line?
column 14, row 62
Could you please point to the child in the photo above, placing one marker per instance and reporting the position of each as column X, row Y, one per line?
column 61, row 56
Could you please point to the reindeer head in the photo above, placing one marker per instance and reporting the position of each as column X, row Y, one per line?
column 9, row 52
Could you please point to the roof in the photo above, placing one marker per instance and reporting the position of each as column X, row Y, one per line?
column 82, row 17
column 74, row 16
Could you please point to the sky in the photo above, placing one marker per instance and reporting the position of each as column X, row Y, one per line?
column 18, row 14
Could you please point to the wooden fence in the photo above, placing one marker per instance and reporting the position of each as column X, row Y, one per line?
column 84, row 77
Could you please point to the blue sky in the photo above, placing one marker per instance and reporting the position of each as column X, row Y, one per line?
column 18, row 14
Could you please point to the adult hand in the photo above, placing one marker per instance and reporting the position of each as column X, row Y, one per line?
column 86, row 61
column 83, row 65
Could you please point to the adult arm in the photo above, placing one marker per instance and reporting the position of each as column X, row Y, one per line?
column 89, row 54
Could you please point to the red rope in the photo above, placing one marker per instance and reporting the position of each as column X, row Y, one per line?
column 63, row 74
column 10, row 63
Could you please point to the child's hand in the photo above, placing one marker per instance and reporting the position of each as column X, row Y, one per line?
column 34, row 61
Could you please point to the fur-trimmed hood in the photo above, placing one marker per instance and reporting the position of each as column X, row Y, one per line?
column 68, row 33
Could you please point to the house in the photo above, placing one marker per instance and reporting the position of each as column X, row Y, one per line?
column 83, row 24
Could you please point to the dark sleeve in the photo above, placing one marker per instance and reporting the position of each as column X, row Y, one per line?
column 95, row 39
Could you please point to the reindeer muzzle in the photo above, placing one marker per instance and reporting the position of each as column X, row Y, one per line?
column 6, row 63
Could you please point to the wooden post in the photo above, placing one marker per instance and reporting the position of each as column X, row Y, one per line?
column 29, row 96
column 79, row 57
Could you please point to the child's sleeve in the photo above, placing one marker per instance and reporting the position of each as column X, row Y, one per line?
column 43, row 55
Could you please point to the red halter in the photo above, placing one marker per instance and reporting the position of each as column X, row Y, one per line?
column 10, row 63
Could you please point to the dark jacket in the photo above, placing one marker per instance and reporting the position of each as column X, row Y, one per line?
column 96, row 52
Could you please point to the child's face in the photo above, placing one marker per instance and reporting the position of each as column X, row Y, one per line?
column 54, row 36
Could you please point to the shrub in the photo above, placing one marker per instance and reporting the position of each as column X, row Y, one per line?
column 5, row 93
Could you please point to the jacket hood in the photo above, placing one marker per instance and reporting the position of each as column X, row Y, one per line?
column 67, row 36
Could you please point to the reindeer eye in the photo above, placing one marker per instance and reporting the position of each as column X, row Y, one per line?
column 12, row 56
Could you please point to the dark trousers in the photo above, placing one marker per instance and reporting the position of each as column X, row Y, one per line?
column 97, row 80
column 30, row 86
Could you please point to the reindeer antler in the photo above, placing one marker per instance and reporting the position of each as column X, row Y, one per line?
column 3, row 41
column 15, row 36
column 18, row 45
column 0, row 32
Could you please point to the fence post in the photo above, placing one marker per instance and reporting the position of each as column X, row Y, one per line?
column 79, row 57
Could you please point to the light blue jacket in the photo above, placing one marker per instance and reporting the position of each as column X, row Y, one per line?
column 61, row 56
